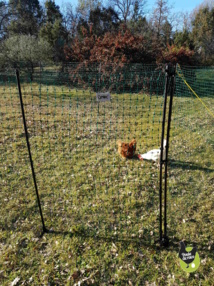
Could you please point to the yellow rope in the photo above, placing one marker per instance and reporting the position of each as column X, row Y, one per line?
column 182, row 76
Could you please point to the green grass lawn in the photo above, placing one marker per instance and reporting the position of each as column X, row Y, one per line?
column 103, row 210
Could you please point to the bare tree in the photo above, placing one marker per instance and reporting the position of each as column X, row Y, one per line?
column 186, row 21
column 160, row 16
column 70, row 19
column 126, row 9
column 85, row 6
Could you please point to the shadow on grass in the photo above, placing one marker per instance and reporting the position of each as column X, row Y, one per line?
column 143, row 241
column 174, row 243
column 189, row 166
column 147, row 241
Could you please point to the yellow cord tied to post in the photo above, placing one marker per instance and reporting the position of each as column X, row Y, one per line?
column 181, row 75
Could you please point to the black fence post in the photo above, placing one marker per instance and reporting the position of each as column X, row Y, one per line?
column 161, row 154
column 169, row 87
column 172, row 91
column 29, row 151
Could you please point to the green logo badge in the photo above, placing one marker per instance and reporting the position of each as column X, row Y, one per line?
column 189, row 258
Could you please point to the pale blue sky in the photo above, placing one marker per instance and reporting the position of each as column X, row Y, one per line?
column 181, row 5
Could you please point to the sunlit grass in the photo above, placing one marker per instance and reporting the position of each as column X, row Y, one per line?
column 107, row 206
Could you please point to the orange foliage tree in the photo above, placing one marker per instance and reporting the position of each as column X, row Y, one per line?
column 174, row 54
column 108, row 54
column 118, row 48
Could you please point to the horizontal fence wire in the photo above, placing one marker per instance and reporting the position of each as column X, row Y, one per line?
column 84, row 184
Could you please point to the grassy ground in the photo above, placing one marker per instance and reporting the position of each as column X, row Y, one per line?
column 103, row 211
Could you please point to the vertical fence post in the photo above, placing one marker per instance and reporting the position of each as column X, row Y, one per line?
column 169, row 87
column 172, row 90
column 29, row 151
column 161, row 154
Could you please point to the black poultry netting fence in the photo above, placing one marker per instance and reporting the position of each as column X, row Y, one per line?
column 95, row 135
column 89, row 175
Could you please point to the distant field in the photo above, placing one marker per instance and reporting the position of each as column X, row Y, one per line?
column 104, row 210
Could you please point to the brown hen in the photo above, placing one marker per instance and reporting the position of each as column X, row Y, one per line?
column 127, row 150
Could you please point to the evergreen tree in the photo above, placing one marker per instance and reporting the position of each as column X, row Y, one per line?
column 26, row 16
column 166, row 31
column 203, row 34
column 183, row 38
column 53, row 30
